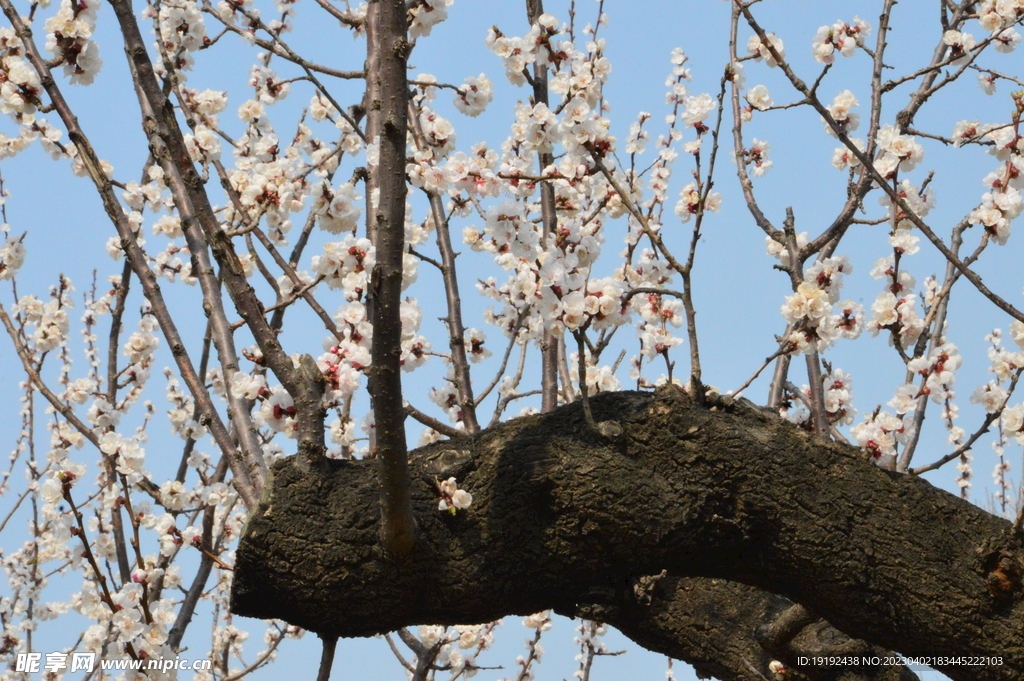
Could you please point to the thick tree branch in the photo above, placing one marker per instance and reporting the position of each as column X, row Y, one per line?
column 562, row 517
column 720, row 627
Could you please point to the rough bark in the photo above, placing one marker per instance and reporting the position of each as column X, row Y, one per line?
column 564, row 518
column 732, row 631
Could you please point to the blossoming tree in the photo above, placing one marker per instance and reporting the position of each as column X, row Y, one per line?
column 753, row 542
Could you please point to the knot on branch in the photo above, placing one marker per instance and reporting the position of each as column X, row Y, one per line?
column 645, row 589
column 401, row 48
column 1000, row 566
column 1003, row 575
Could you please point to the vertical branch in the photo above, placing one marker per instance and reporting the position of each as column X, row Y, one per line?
column 937, row 333
column 549, row 222
column 776, row 391
column 795, row 269
column 563, row 371
column 456, row 329
column 390, row 105
column 371, row 105
column 746, row 185
column 817, row 398
column 781, row 374
column 581, row 365
column 206, row 562
column 113, row 345
column 696, row 386
column 326, row 657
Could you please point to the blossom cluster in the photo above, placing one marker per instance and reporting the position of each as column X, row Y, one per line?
column 21, row 88
column 837, row 394
column 452, row 498
column 1003, row 202
column 474, row 95
column 895, row 308
column 458, row 647
column 759, row 50
column 814, row 310
column 840, row 37
column 897, row 152
column 68, row 34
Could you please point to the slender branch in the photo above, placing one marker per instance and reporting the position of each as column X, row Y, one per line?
column 280, row 48
column 504, row 359
column 113, row 345
column 935, row 320
column 195, row 591
column 817, row 399
column 581, row 364
column 549, row 222
column 343, row 17
column 997, row 74
column 398, row 654
column 967, row 446
column 504, row 399
column 326, row 657
column 431, row 422
column 262, row 660
column 654, row 291
column 456, row 329
column 737, row 135
column 568, row 395
column 425, row 656
column 655, row 237
column 696, row 386
column 783, row 350
column 829, row 239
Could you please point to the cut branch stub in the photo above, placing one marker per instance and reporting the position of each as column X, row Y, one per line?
column 563, row 518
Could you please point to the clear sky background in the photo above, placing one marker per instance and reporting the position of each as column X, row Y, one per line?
column 737, row 292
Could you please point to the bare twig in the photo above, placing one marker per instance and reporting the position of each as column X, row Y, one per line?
column 967, row 446
column 431, row 422
column 581, row 363
column 783, row 350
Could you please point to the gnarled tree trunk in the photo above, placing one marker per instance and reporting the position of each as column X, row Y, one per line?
column 568, row 519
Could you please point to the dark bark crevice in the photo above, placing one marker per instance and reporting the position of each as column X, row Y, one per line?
column 719, row 627
column 563, row 518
